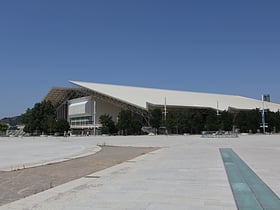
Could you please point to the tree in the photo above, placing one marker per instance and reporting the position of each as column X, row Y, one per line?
column 277, row 121
column 136, row 124
column 171, row 122
column 124, row 121
column 129, row 123
column 248, row 121
column 197, row 123
column 41, row 118
column 61, row 126
column 156, row 118
column 212, row 121
column 226, row 121
column 3, row 128
column 108, row 125
column 184, row 122
column 273, row 121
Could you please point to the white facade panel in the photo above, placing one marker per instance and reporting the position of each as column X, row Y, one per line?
column 103, row 107
column 80, row 107
column 77, row 108
column 81, row 112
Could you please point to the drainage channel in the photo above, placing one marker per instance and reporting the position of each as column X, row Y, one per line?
column 249, row 191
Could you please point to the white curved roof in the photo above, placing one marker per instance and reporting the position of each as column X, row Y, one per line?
column 139, row 97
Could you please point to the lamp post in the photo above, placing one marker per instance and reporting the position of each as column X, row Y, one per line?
column 263, row 125
column 165, row 114
column 94, row 118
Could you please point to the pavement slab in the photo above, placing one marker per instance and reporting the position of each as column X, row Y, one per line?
column 186, row 173
column 25, row 182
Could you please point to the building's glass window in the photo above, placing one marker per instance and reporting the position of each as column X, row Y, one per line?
column 80, row 121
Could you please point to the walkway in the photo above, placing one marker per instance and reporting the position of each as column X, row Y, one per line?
column 186, row 173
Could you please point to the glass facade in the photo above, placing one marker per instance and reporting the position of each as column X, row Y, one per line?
column 81, row 121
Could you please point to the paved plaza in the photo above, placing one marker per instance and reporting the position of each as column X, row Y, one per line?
column 187, row 172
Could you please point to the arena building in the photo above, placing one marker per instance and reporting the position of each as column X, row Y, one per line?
column 82, row 106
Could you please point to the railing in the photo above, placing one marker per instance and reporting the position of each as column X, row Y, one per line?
column 17, row 132
column 219, row 134
column 82, row 125
column 148, row 130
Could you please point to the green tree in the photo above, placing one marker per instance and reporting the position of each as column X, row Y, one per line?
column 273, row 121
column 129, row 123
column 184, row 122
column 3, row 128
column 41, row 118
column 136, row 125
column 212, row 121
column 108, row 125
column 197, row 123
column 156, row 118
column 248, row 121
column 226, row 121
column 61, row 126
column 277, row 121
column 124, row 122
column 172, row 122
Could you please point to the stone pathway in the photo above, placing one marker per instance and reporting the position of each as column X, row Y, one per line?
column 18, row 184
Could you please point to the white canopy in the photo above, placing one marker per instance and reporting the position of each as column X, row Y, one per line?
column 140, row 97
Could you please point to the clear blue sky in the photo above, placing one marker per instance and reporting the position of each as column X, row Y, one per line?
column 215, row 46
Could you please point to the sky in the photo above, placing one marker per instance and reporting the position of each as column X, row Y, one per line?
column 217, row 46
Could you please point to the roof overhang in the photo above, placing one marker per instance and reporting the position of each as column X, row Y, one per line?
column 140, row 97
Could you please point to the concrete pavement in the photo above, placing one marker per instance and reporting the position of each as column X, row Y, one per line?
column 186, row 173
column 17, row 153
